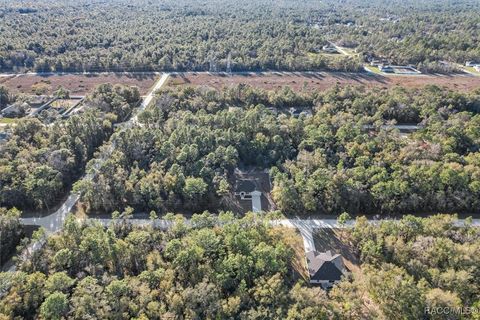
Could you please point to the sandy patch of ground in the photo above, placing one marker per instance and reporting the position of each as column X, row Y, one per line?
column 336, row 241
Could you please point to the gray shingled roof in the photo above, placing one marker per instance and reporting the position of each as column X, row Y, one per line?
column 325, row 266
column 245, row 186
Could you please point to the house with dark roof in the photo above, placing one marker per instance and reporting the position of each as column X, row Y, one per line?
column 325, row 268
column 247, row 190
column 244, row 188
column 251, row 189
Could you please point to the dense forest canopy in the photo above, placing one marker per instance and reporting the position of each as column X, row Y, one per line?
column 342, row 158
column 182, row 156
column 172, row 35
column 11, row 232
column 247, row 35
column 241, row 270
column 340, row 166
column 220, row 267
column 40, row 161
column 335, row 152
column 415, row 265
column 407, row 32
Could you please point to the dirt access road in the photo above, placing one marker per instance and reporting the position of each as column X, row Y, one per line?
column 81, row 83
column 323, row 80
column 78, row 84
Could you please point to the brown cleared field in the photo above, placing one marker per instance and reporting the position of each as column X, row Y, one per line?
column 324, row 81
column 77, row 84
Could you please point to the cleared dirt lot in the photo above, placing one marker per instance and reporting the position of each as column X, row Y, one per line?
column 324, row 81
column 77, row 84
column 336, row 241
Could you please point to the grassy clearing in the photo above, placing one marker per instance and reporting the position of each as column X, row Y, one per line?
column 349, row 51
column 8, row 120
column 472, row 70
column 373, row 69
column 66, row 103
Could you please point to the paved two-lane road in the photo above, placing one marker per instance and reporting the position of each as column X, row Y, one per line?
column 306, row 227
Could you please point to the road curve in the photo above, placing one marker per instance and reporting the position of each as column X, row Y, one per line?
column 54, row 222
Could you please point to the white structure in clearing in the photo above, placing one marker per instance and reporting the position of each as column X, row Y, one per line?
column 246, row 190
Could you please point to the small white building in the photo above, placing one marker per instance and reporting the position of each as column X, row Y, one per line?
column 247, row 190
column 329, row 49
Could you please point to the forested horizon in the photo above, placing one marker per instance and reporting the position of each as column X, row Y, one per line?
column 186, row 35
